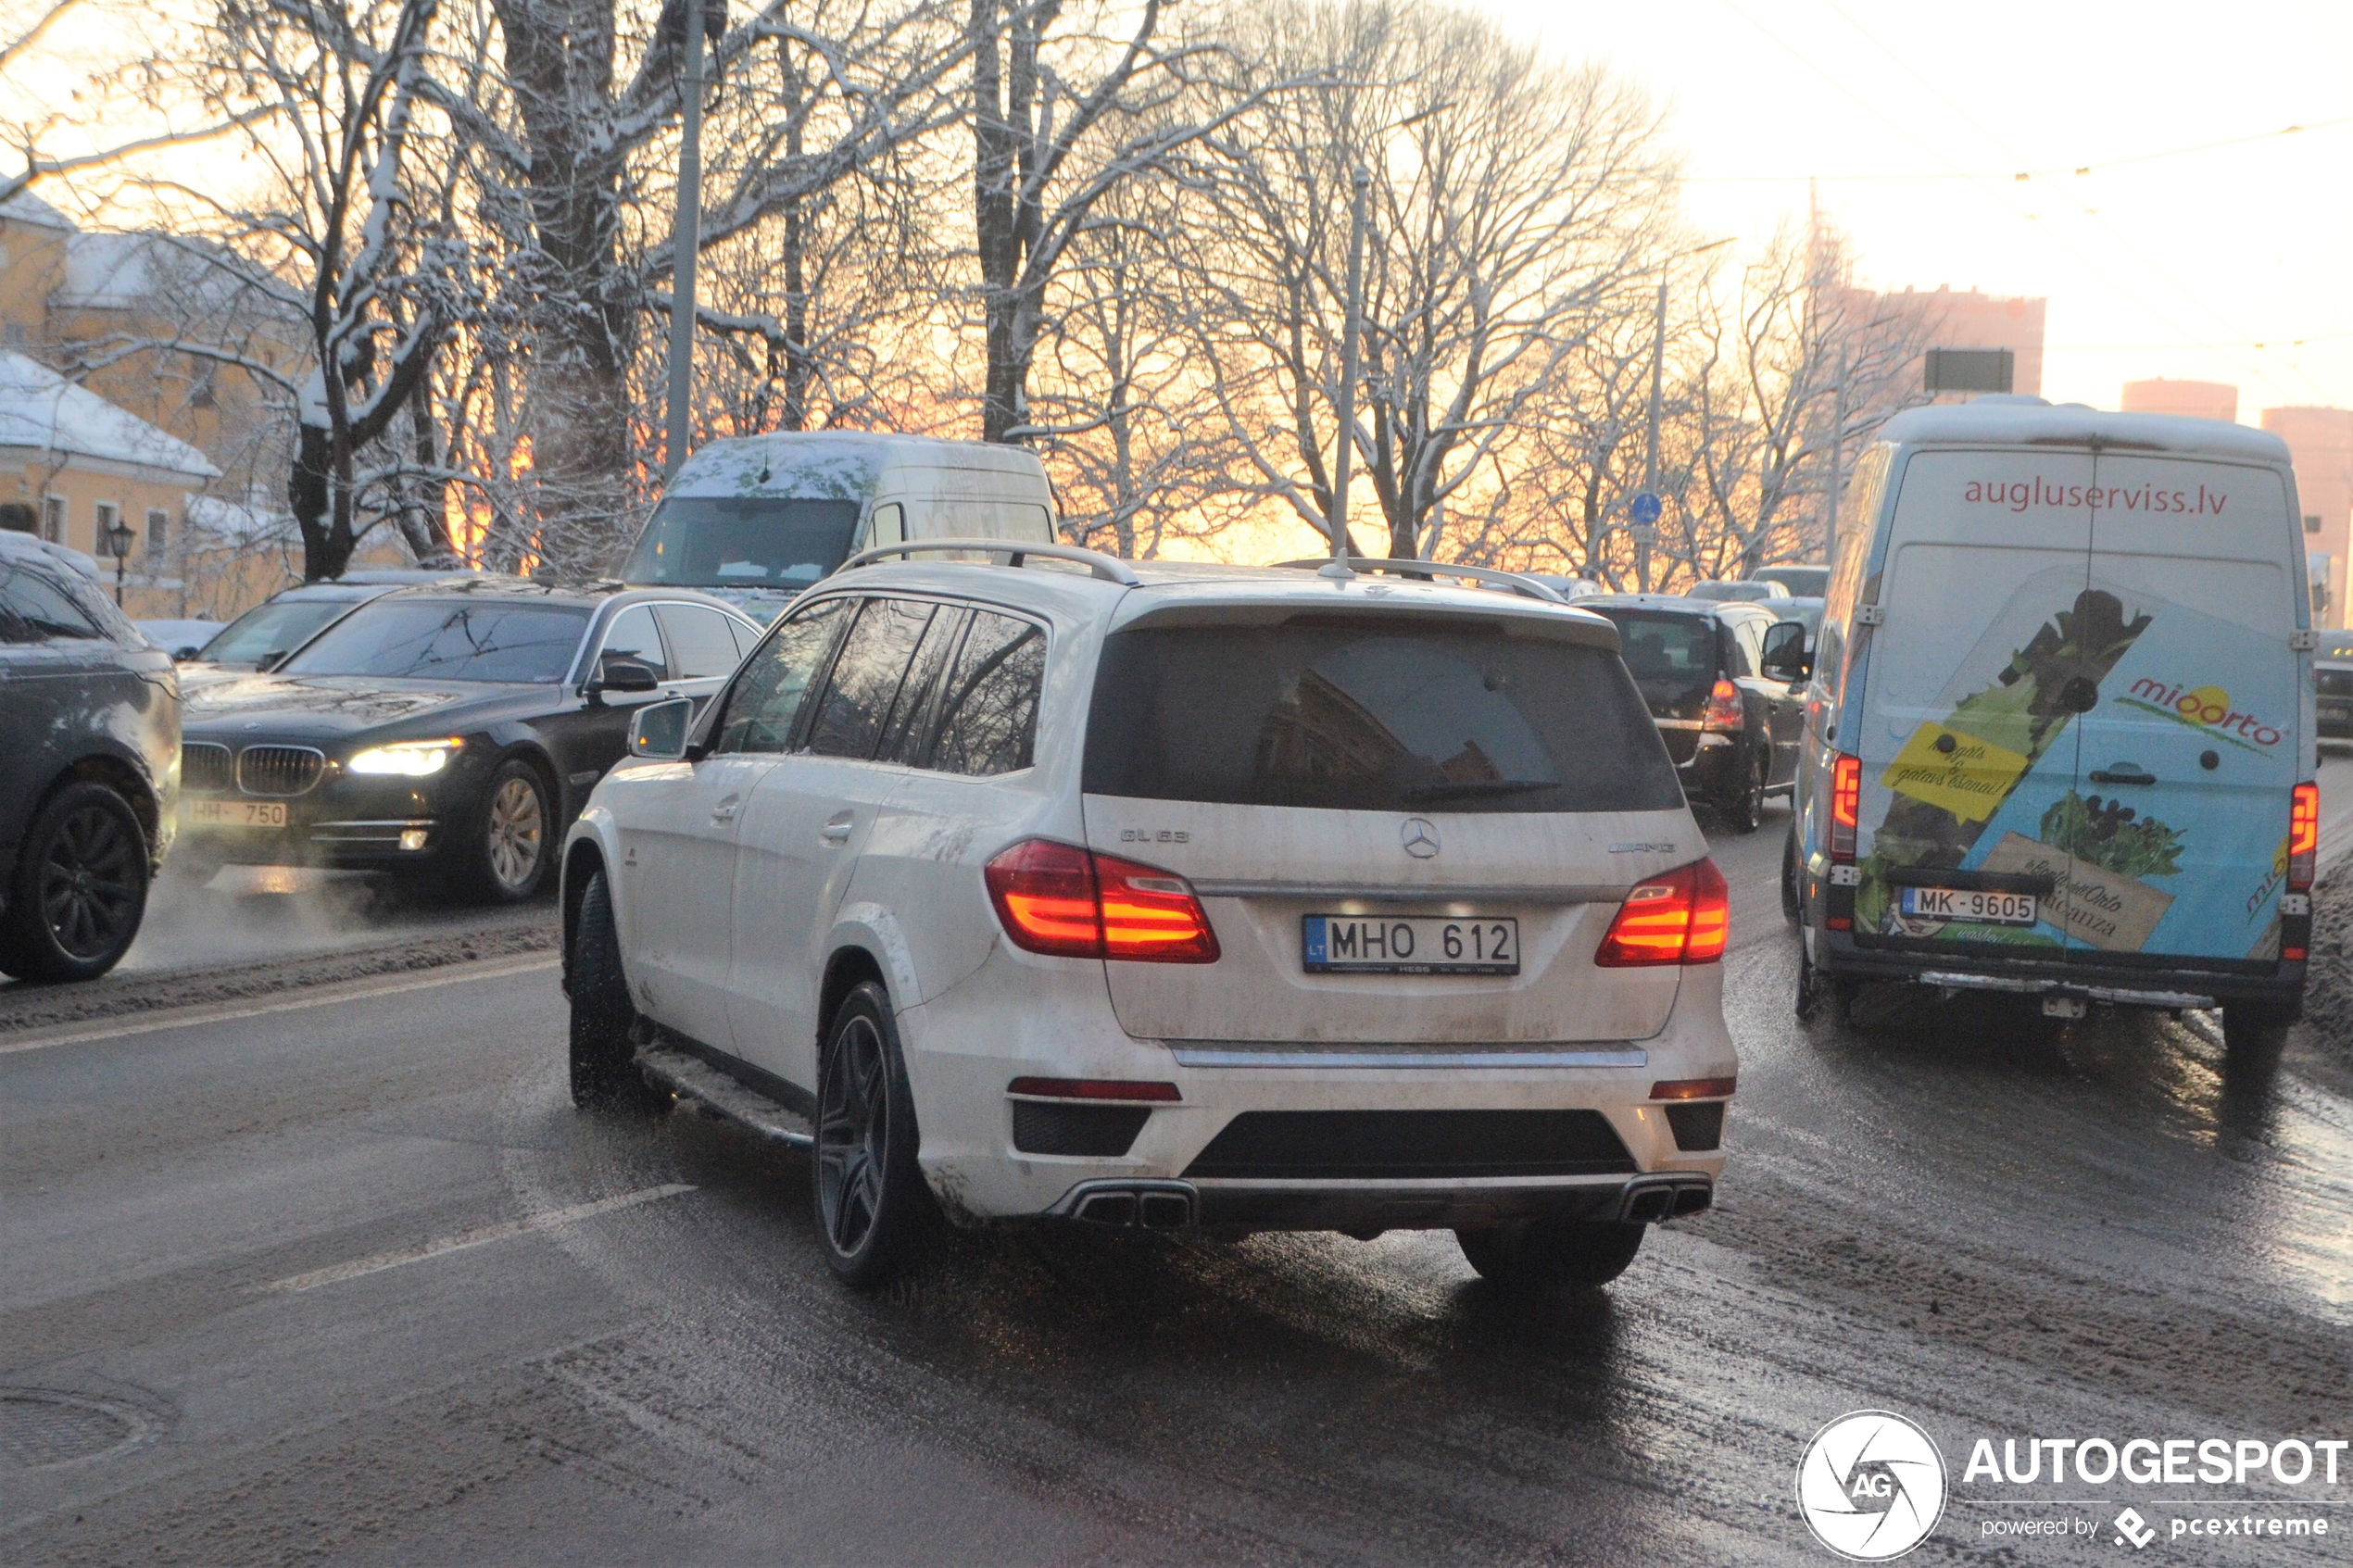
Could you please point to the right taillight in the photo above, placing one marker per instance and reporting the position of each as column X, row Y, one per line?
column 1063, row 900
column 1723, row 707
column 1846, row 805
column 1683, row 917
column 2303, row 837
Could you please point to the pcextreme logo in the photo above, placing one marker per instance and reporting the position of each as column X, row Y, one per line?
column 1872, row 1486
column 2204, row 707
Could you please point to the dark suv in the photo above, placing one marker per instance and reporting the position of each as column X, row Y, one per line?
column 89, row 768
column 1724, row 681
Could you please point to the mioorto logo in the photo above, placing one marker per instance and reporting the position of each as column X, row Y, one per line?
column 2204, row 707
column 1872, row 1486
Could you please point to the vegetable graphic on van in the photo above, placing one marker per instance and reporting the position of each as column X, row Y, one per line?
column 1951, row 777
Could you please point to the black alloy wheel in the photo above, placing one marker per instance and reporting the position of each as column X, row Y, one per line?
column 79, row 889
column 871, row 1203
column 603, row 1046
column 1792, row 885
column 1745, row 812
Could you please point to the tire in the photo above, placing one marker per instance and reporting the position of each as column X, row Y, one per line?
column 79, row 889
column 1561, row 1255
column 1745, row 812
column 874, row 1209
column 512, row 845
column 2255, row 1029
column 1792, row 891
column 604, row 1070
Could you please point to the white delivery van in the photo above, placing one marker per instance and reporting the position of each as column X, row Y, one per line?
column 2059, row 724
column 757, row 519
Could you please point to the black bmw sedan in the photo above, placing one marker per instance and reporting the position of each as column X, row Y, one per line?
column 451, row 730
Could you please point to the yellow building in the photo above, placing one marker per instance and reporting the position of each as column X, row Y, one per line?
column 73, row 466
column 2321, row 441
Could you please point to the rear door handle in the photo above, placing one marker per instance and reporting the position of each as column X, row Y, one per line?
column 726, row 810
column 837, row 830
column 2127, row 774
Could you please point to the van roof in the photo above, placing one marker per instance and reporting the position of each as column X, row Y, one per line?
column 838, row 463
column 2030, row 422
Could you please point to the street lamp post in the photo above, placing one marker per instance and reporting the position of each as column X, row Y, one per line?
column 118, row 540
column 1336, row 514
column 687, row 224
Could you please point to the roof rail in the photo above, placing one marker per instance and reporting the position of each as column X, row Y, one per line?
column 1111, row 569
column 1512, row 580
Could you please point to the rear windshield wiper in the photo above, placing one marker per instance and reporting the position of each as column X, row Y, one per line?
column 1460, row 788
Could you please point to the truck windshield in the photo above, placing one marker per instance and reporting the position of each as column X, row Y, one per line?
column 742, row 542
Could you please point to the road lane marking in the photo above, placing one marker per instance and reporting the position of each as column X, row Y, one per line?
column 335, row 1273
column 189, row 1018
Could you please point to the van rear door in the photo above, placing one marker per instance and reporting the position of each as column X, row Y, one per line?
column 2179, row 813
column 1407, row 829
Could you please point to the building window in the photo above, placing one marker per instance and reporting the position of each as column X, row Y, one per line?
column 109, row 514
column 202, row 394
column 158, row 532
column 2311, row 523
column 53, row 519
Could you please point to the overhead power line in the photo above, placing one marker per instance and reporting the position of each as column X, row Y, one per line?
column 2020, row 176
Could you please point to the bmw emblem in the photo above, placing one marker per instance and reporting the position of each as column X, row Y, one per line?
column 1420, row 835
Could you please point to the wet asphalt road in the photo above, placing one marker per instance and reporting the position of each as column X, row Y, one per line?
column 295, row 1265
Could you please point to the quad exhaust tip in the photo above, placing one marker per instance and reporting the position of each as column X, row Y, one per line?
column 1152, row 1206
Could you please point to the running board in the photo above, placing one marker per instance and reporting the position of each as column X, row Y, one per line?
column 691, row 1078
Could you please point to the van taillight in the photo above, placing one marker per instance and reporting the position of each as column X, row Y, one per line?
column 1683, row 917
column 1063, row 900
column 1846, row 805
column 1723, row 707
column 2303, row 837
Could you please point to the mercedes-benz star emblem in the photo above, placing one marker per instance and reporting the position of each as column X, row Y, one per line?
column 1420, row 835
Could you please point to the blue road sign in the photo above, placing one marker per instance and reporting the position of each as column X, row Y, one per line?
column 1645, row 509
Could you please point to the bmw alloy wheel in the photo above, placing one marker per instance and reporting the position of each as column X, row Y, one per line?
column 517, row 834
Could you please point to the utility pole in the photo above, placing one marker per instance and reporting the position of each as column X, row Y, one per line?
column 1336, row 515
column 686, row 226
column 1643, row 532
column 1838, row 454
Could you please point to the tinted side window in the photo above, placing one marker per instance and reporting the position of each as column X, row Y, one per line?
column 765, row 699
column 866, row 678
column 633, row 635
column 702, row 641
column 988, row 712
column 910, row 716
column 46, row 607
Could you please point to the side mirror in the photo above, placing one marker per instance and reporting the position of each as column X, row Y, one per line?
column 658, row 731
column 270, row 660
column 1785, row 652
column 181, row 655
column 619, row 674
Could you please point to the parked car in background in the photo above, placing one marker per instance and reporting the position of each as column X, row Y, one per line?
column 1567, row 587
column 1153, row 896
column 281, row 623
column 1807, row 611
column 1803, row 582
column 449, row 729
column 1735, row 593
column 755, row 519
column 2332, row 685
column 1721, row 679
column 178, row 638
column 2056, row 743
column 89, row 767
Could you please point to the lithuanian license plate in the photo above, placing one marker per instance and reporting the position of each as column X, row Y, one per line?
column 1410, row 945
column 233, row 813
column 1970, row 904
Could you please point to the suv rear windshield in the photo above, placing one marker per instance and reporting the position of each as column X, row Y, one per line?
column 1672, row 657
column 1388, row 715
column 748, row 542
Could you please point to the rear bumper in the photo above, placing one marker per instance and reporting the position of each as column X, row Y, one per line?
column 1714, row 772
column 2168, row 986
column 1168, row 1205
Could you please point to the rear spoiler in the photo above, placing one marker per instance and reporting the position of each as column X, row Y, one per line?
column 1334, row 566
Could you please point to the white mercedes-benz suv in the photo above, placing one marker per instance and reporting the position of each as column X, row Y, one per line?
column 1053, row 885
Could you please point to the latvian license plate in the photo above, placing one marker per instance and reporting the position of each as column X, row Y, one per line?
column 233, row 813
column 1410, row 945
column 1970, row 904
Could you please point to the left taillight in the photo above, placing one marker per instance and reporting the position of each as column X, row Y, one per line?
column 1846, row 806
column 2303, row 837
column 1060, row 899
column 1723, row 707
column 1683, row 917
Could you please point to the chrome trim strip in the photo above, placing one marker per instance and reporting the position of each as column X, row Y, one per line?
column 1392, row 893
column 1680, row 724
column 1954, row 980
column 1224, row 1054
column 1414, row 1184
